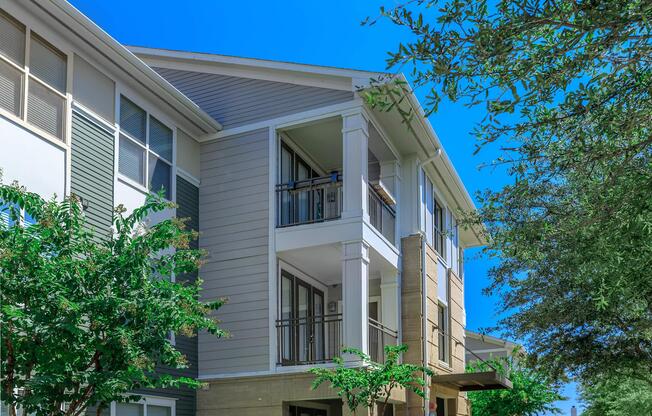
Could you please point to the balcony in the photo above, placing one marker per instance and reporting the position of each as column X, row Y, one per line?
column 380, row 336
column 318, row 339
column 309, row 201
column 309, row 340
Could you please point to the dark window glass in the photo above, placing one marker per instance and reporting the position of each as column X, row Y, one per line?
column 132, row 119
column 159, row 176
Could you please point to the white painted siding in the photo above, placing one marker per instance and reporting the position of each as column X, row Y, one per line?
column 34, row 162
column 234, row 212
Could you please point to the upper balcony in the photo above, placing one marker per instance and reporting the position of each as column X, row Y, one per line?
column 337, row 180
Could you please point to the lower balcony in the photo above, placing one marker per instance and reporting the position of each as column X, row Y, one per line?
column 318, row 339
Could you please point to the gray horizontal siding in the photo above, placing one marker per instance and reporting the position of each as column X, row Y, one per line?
column 92, row 170
column 234, row 212
column 187, row 207
column 236, row 101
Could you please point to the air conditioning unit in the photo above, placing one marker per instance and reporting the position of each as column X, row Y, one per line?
column 384, row 193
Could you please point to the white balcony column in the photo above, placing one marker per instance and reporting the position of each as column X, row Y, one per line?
column 355, row 295
column 389, row 295
column 390, row 176
column 355, row 137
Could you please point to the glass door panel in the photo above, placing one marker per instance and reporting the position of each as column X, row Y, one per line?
column 318, row 328
column 287, row 313
column 303, row 313
column 303, row 172
column 286, row 176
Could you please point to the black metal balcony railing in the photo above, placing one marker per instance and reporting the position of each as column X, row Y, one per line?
column 309, row 201
column 310, row 340
column 381, row 215
column 379, row 337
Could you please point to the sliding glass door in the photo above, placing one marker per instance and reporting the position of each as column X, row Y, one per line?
column 301, row 326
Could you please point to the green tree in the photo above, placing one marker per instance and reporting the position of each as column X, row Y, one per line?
column 370, row 385
column 532, row 393
column 566, row 88
column 85, row 320
column 616, row 396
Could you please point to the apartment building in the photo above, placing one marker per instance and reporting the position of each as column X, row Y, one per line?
column 327, row 223
column 80, row 114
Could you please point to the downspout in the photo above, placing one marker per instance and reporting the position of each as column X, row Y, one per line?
column 424, row 321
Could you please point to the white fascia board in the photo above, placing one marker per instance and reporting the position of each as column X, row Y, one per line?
column 121, row 56
column 446, row 169
column 293, row 73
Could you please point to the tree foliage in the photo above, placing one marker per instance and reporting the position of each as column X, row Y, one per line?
column 566, row 86
column 371, row 384
column 616, row 396
column 85, row 319
column 533, row 392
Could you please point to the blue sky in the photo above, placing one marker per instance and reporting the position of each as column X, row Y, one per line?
column 313, row 33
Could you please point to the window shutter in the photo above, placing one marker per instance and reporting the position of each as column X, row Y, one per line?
column 160, row 139
column 11, row 82
column 12, row 39
column 132, row 160
column 45, row 109
column 48, row 64
column 132, row 119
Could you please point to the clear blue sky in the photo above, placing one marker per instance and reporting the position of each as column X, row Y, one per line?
column 324, row 33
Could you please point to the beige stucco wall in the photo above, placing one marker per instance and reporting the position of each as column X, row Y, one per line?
column 412, row 314
column 270, row 395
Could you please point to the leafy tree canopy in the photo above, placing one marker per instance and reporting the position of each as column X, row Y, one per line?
column 533, row 393
column 566, row 86
column 85, row 319
column 617, row 396
column 370, row 386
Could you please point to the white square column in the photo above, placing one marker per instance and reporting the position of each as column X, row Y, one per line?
column 355, row 137
column 390, row 176
column 355, row 294
column 390, row 300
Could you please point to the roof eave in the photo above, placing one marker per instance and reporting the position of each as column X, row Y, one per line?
column 140, row 70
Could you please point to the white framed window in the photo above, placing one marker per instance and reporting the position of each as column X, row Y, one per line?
column 443, row 333
column 147, row 406
column 145, row 148
column 33, row 78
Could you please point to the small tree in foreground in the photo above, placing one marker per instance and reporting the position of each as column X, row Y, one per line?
column 372, row 383
column 532, row 392
column 85, row 320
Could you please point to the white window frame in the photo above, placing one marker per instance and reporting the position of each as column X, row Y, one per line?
column 446, row 362
column 28, row 77
column 146, row 147
column 435, row 197
column 150, row 400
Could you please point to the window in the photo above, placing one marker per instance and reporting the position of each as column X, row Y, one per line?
column 149, row 406
column 45, row 72
column 300, row 201
column 443, row 333
column 145, row 148
column 439, row 224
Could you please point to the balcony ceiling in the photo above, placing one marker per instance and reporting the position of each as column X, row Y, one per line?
column 324, row 262
column 322, row 141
